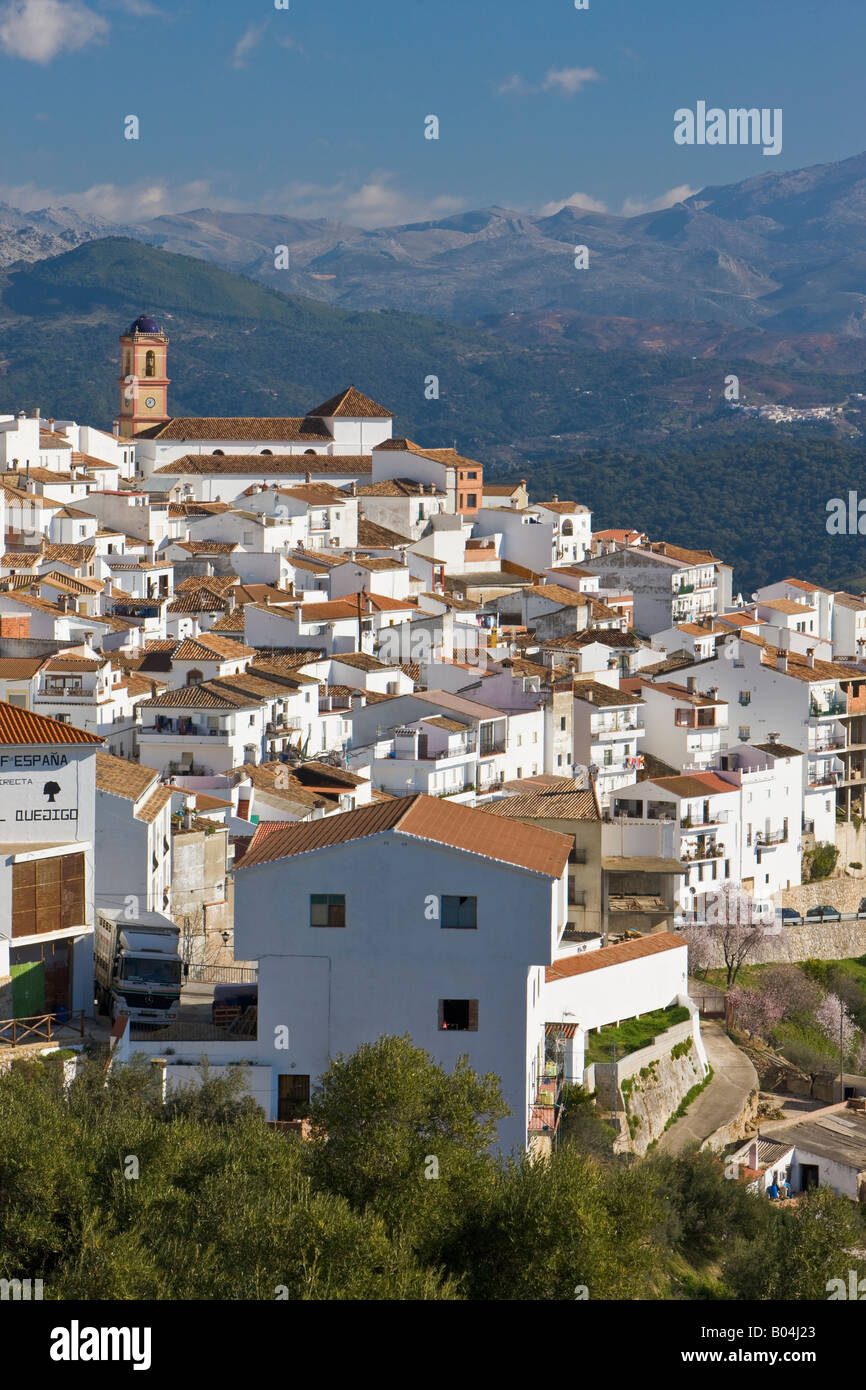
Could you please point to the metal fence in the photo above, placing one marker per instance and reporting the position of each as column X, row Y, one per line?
column 223, row 974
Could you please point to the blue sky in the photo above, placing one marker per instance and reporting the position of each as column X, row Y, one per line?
column 318, row 110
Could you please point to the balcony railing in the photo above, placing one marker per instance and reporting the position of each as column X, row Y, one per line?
column 707, row 852
column 489, row 750
column 720, row 818
column 775, row 837
column 819, row 708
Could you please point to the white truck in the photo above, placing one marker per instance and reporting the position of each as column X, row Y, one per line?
column 137, row 968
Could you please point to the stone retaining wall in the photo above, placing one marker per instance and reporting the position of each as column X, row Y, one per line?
column 811, row 941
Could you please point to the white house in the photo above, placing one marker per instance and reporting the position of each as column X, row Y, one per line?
column 412, row 915
column 133, row 830
column 46, row 864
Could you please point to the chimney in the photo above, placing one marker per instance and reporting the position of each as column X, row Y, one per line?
column 34, row 414
column 556, row 497
column 308, row 477
column 782, row 661
column 14, row 465
column 810, row 656
column 51, row 424
column 714, row 690
column 692, row 684
column 87, row 640
column 353, row 489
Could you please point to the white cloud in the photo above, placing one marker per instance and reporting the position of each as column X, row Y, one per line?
column 568, row 80
column 514, row 85
column 577, row 200
column 114, row 202
column 375, row 203
column 246, row 43
column 38, row 30
column 633, row 207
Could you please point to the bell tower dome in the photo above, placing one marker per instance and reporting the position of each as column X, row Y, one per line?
column 143, row 381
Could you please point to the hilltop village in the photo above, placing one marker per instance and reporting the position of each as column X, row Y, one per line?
column 307, row 727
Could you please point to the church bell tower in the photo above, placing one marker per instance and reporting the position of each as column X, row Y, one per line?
column 143, row 382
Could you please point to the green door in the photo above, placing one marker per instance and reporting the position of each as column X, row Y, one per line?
column 28, row 989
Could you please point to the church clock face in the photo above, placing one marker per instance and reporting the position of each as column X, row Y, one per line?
column 150, row 402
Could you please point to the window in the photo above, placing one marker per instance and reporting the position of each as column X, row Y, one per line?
column 559, row 760
column 327, row 909
column 471, row 475
column 293, row 1094
column 576, row 855
column 567, row 528
column 562, row 721
column 458, row 1015
column 745, row 733
column 519, row 773
column 150, row 363
column 472, row 499
column 576, row 896
column 459, row 912
column 745, row 697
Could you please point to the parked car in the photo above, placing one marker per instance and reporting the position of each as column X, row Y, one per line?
column 789, row 914
column 825, row 913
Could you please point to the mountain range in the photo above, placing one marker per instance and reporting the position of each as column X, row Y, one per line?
column 782, row 253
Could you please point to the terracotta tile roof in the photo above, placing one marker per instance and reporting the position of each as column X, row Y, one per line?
column 375, row 536
column 786, row 605
column 206, row 696
column 154, row 804
column 810, row 588
column 425, row 818
column 678, row 552
column 569, row 507
column 316, row 494
column 595, row 693
column 544, row 803
column 449, row 457
column 14, row 668
column 22, row 726
column 41, row 605
column 695, row 784
column 207, row 647
column 122, row 778
column 267, row 465
column 215, row 583
column 399, row 487
column 849, row 600
column 228, row 622
column 651, row 945
column 556, row 593
column 69, row 554
column 362, row 661
column 207, row 547
column 351, row 404
column 199, row 602
column 255, row 429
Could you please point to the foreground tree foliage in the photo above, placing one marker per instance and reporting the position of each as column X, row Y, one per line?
column 107, row 1193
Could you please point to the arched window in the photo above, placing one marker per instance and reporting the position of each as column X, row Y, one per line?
column 309, row 451
column 194, row 677
column 219, row 451
column 267, row 451
column 567, row 528
column 150, row 363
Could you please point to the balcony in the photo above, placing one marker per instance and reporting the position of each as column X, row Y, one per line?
column 615, row 730
column 823, row 709
column 764, row 840
column 277, row 727
column 684, row 589
column 702, row 852
column 719, row 818
column 827, row 745
column 490, row 750
column 173, row 729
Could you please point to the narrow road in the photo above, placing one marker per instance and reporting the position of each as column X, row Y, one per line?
column 734, row 1078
